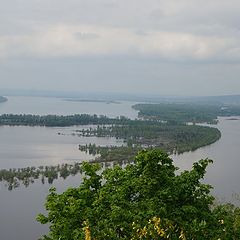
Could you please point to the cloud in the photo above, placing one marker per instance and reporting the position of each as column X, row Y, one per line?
column 93, row 40
column 174, row 30
column 86, row 36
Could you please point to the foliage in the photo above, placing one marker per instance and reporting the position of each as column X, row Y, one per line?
column 179, row 138
column 186, row 112
column 55, row 120
column 158, row 228
column 136, row 202
column 229, row 219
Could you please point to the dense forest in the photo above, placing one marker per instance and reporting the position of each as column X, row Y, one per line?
column 57, row 121
column 186, row 112
column 145, row 200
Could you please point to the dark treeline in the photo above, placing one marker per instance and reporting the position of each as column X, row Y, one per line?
column 55, row 120
column 170, row 136
column 15, row 177
column 186, row 112
column 145, row 134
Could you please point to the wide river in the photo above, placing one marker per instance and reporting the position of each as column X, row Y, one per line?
column 224, row 173
column 35, row 146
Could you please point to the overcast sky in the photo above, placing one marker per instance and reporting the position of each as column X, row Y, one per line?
column 165, row 47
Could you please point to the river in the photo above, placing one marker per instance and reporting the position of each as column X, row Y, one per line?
column 224, row 173
column 34, row 146
column 23, row 146
column 58, row 106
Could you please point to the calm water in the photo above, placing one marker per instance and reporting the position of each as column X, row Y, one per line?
column 34, row 146
column 23, row 146
column 43, row 106
column 19, row 208
column 224, row 173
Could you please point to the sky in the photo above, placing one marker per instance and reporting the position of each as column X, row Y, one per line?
column 173, row 47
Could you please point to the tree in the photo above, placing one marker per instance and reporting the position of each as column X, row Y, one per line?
column 122, row 203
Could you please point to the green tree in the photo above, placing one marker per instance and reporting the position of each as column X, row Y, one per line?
column 118, row 203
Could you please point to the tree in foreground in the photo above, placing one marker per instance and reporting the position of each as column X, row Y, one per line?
column 144, row 200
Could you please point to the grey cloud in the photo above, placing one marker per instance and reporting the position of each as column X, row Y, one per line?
column 157, row 14
column 191, row 44
column 171, row 15
column 194, row 15
column 86, row 36
column 141, row 33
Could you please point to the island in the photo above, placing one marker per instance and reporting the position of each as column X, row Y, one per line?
column 135, row 135
column 91, row 100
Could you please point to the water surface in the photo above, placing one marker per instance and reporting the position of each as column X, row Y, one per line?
column 24, row 146
column 58, row 106
column 224, row 173
column 34, row 146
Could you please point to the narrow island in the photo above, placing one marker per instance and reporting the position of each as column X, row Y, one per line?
column 91, row 100
column 169, row 136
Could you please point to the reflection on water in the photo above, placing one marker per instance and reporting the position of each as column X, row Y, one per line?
column 19, row 208
column 24, row 146
column 14, row 178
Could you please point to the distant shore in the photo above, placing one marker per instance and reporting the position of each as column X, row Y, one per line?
column 91, row 100
column 3, row 99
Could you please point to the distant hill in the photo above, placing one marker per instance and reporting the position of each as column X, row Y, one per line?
column 3, row 99
column 109, row 97
column 227, row 99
